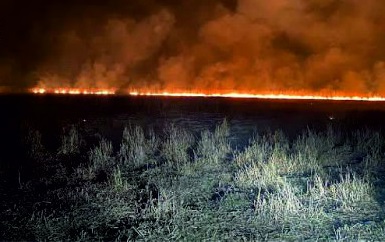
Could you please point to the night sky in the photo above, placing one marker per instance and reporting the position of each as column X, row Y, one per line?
column 239, row 45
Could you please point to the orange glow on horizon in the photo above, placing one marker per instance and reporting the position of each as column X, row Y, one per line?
column 277, row 96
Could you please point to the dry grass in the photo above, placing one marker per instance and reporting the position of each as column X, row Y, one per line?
column 136, row 149
column 175, row 146
column 71, row 142
column 310, row 188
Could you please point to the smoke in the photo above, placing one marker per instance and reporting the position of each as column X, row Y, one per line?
column 218, row 46
column 109, row 57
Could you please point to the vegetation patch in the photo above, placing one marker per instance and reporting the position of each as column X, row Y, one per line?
column 180, row 185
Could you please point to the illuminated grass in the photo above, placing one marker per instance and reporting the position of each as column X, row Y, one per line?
column 136, row 149
column 71, row 142
column 102, row 155
column 214, row 147
column 178, row 185
column 176, row 145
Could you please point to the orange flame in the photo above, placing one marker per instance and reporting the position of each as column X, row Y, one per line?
column 73, row 91
column 278, row 96
column 281, row 95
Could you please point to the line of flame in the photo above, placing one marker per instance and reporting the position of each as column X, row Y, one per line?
column 261, row 96
column 73, row 91
column 282, row 96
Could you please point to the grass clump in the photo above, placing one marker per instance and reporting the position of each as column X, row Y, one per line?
column 260, row 176
column 259, row 150
column 101, row 163
column 102, row 155
column 351, row 192
column 117, row 180
column 137, row 150
column 71, row 142
column 176, row 146
column 214, row 147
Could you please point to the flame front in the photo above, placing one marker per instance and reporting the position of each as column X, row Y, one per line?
column 277, row 96
column 172, row 93
column 73, row 91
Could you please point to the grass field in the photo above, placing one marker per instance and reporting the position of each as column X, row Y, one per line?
column 179, row 185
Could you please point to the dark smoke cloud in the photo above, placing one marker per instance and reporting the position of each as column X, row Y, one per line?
column 228, row 45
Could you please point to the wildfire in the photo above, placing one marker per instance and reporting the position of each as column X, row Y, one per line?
column 282, row 96
column 278, row 96
column 73, row 91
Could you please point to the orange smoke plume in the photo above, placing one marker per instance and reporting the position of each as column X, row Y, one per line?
column 246, row 47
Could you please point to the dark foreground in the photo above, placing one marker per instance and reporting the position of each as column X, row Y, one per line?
column 114, row 169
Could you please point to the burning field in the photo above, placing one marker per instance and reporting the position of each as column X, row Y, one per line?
column 195, row 120
column 309, row 48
